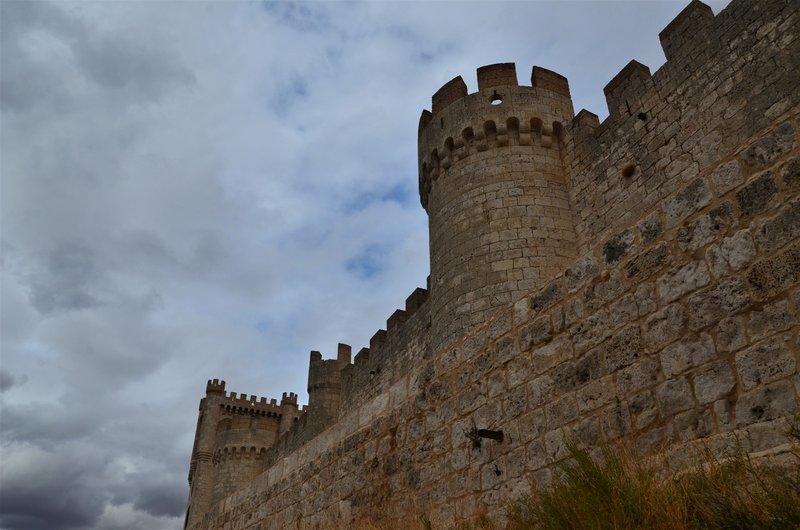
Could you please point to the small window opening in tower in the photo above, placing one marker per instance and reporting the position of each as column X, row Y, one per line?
column 496, row 99
column 629, row 170
column 642, row 116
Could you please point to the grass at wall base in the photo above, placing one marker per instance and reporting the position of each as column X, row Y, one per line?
column 619, row 492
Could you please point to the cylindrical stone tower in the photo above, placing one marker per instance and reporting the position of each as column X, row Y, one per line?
column 492, row 181
column 201, row 471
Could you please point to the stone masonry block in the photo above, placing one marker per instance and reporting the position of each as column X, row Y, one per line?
column 546, row 297
column 766, row 403
column 537, row 332
column 714, row 381
column 688, row 201
column 590, row 332
column 705, row 229
column 540, row 390
column 506, row 349
column 644, row 409
column 771, row 234
column 596, row 394
column 685, row 279
column 647, row 263
column 623, row 311
column 583, row 270
column 664, row 327
column 650, row 228
column 757, row 196
column 551, row 354
column 727, row 177
column 731, row 254
column 790, row 174
column 726, row 298
column 686, row 354
column 622, row 349
column 771, row 318
column 770, row 148
column 765, row 362
column 569, row 376
column 615, row 421
column 617, row 247
column 638, row 376
column 674, row 396
column 730, row 334
column 772, row 275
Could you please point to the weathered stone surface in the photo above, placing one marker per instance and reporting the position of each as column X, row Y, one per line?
column 650, row 228
column 705, row 229
column 572, row 375
column 770, row 276
column 713, row 382
column 537, row 332
column 664, row 327
column 644, row 409
column 623, row 311
column 756, row 196
column 791, row 173
column 732, row 254
column 590, row 332
column 685, row 279
column 683, row 355
column 551, row 354
column 730, row 334
column 770, row 148
column 689, row 200
column 622, row 349
column 546, row 297
column 648, row 263
column 637, row 376
column 766, row 403
column 727, row 176
column 771, row 234
column 765, row 362
column 583, row 270
column 709, row 307
column 617, row 247
column 693, row 424
column 674, row 396
column 772, row 318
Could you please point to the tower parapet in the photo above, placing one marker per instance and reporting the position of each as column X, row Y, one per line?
column 492, row 181
column 325, row 386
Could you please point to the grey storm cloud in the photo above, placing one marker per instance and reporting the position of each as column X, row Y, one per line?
column 197, row 190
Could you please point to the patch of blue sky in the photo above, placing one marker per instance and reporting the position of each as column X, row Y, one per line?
column 400, row 193
column 263, row 326
column 369, row 263
column 300, row 16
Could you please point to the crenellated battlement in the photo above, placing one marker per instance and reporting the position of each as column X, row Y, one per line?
column 500, row 114
column 215, row 386
column 238, row 452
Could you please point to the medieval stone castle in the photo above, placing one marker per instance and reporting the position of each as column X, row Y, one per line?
column 635, row 279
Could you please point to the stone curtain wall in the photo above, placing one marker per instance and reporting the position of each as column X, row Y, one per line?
column 676, row 327
column 689, row 336
column 726, row 78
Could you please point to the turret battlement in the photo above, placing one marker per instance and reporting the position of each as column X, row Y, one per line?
column 215, row 386
column 501, row 113
column 237, row 452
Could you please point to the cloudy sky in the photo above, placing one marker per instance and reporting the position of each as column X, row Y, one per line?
column 212, row 189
